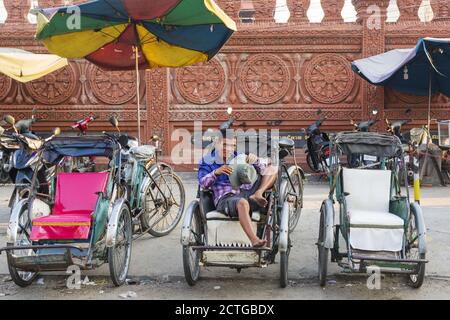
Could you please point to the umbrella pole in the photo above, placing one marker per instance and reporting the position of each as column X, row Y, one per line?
column 429, row 104
column 136, row 53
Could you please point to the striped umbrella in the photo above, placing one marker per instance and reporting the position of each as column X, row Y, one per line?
column 136, row 34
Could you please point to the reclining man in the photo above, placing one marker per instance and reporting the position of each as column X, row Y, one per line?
column 214, row 173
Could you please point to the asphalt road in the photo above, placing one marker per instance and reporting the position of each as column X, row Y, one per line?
column 157, row 273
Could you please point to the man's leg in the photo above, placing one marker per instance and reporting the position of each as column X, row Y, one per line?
column 243, row 208
column 268, row 179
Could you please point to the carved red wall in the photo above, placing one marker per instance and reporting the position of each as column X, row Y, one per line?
column 267, row 72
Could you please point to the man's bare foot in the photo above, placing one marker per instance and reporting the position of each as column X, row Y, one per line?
column 259, row 199
column 258, row 243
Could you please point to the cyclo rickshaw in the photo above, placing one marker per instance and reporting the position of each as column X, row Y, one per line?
column 88, row 218
column 213, row 239
column 382, row 229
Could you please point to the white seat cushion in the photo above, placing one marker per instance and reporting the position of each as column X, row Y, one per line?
column 375, row 231
column 375, row 219
column 216, row 215
column 372, row 227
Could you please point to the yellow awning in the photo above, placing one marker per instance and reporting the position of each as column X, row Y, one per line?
column 26, row 66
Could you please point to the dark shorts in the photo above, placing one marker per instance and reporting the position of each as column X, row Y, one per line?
column 228, row 203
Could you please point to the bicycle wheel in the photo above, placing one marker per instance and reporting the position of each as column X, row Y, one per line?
column 294, row 197
column 163, row 204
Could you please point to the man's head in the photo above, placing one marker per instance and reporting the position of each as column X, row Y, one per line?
column 226, row 147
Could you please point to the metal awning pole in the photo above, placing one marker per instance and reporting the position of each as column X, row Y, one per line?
column 136, row 53
column 429, row 102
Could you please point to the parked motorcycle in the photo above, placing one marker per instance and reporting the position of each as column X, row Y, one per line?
column 409, row 148
column 26, row 160
column 357, row 160
column 81, row 164
column 8, row 145
column 317, row 146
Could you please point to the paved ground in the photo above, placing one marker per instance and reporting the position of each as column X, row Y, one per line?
column 156, row 269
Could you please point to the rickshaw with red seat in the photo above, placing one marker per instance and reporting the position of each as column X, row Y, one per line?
column 85, row 221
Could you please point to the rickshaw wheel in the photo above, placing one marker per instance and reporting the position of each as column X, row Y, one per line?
column 191, row 258
column 169, row 213
column 21, row 278
column 322, row 251
column 119, row 256
column 284, row 266
column 415, row 280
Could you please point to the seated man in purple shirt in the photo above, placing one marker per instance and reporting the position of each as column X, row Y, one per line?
column 213, row 174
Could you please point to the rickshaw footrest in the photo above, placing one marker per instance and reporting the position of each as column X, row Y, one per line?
column 386, row 259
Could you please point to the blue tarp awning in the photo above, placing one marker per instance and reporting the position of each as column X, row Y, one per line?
column 409, row 70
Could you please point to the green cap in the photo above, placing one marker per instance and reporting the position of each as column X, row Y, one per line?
column 243, row 173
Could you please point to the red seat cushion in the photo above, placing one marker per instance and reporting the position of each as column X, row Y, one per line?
column 75, row 200
column 76, row 192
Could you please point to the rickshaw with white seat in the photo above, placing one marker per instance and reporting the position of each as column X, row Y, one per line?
column 381, row 228
column 85, row 221
column 212, row 239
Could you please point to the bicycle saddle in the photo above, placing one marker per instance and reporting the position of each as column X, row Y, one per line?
column 286, row 143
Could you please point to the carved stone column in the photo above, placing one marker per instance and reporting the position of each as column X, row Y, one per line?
column 332, row 10
column 441, row 10
column 298, row 10
column 409, row 10
column 231, row 8
column 17, row 10
column 264, row 10
column 157, row 82
column 372, row 15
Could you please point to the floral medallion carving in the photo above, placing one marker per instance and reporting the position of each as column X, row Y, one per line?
column 264, row 78
column 112, row 87
column 329, row 78
column 55, row 87
column 5, row 86
column 203, row 83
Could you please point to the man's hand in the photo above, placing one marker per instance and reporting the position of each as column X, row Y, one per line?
column 252, row 158
column 223, row 169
